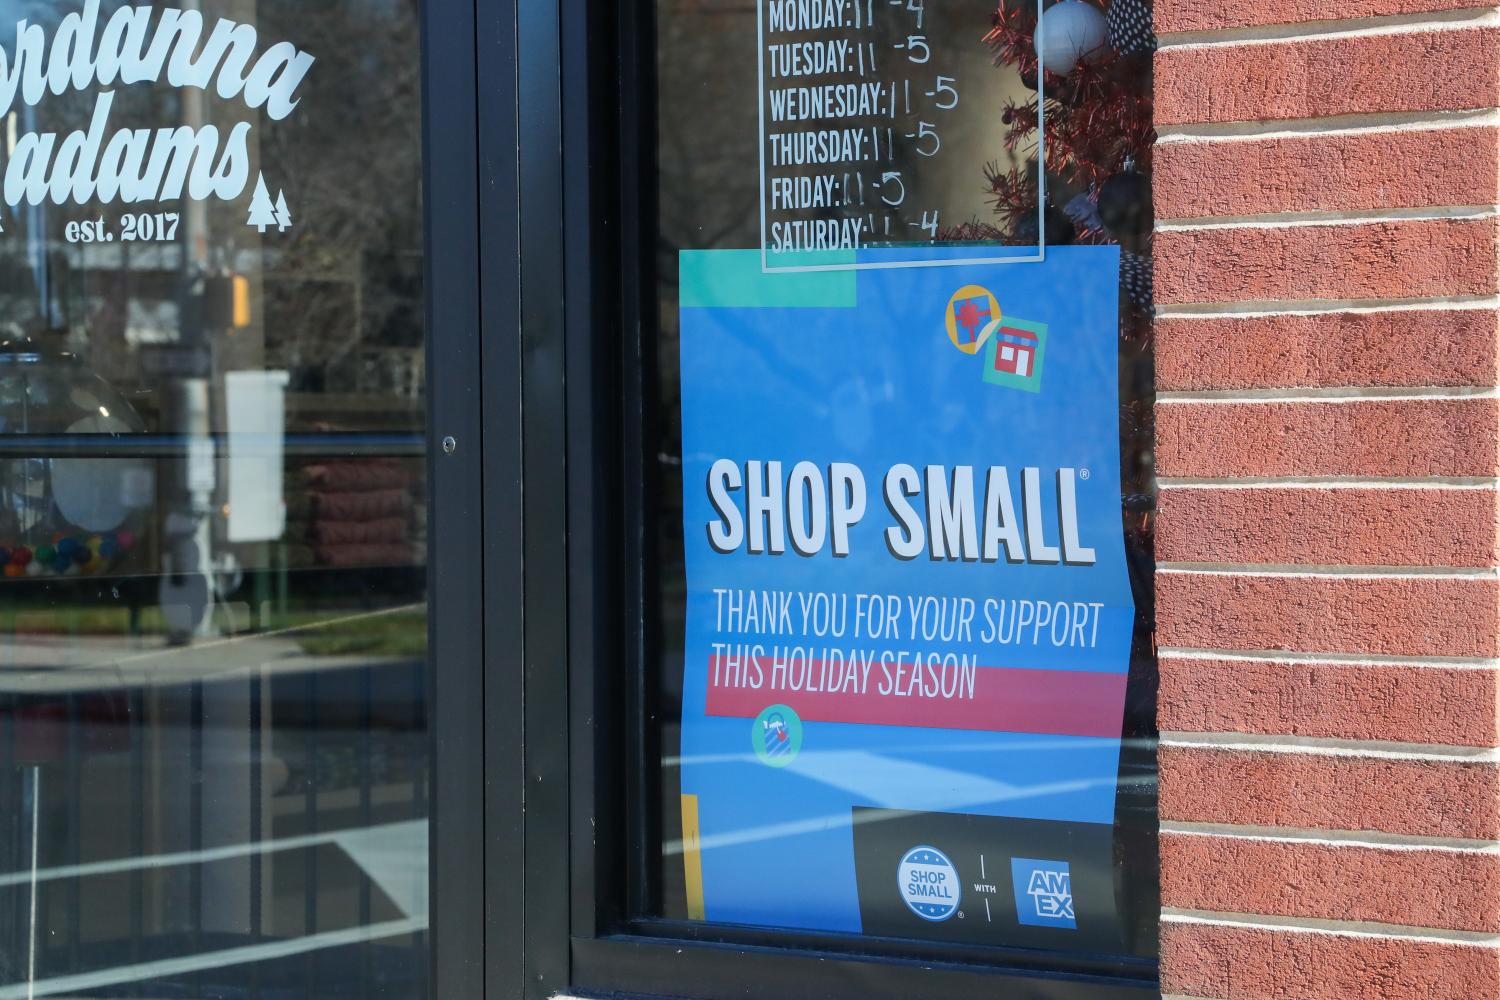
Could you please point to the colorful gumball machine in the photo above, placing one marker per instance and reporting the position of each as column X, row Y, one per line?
column 67, row 506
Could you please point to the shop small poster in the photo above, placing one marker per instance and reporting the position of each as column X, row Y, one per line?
column 908, row 616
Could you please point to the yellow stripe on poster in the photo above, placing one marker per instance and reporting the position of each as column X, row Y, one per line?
column 692, row 858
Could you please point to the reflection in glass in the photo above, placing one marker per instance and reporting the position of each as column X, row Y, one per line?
column 213, row 630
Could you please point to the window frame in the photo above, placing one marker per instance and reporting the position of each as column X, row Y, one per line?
column 467, row 330
column 586, row 136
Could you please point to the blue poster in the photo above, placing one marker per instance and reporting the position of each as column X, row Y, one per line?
column 909, row 616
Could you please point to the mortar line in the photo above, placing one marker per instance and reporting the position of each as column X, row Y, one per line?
column 1259, row 308
column 1318, row 217
column 1333, row 125
column 1322, row 747
column 1330, row 394
column 1330, row 482
column 1372, row 660
column 1459, row 19
column 1330, row 572
column 1371, row 839
column 1336, row 928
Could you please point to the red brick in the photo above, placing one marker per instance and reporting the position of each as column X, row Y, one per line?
column 1329, row 349
column 1366, row 437
column 1394, row 616
column 1246, row 963
column 1428, row 797
column 1208, row 15
column 1328, row 527
column 1440, row 70
column 1398, row 702
column 1454, row 890
column 1407, row 258
column 1330, row 173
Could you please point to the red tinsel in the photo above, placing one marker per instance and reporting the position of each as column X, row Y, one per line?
column 1096, row 117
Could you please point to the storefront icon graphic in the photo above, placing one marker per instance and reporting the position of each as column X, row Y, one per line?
column 1014, row 353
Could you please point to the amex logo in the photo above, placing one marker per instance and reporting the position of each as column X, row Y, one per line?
column 1044, row 893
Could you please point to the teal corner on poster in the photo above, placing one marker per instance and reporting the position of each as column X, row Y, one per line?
column 735, row 279
column 909, row 615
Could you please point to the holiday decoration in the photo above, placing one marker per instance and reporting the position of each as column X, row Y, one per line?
column 1135, row 279
column 1125, row 203
column 1130, row 27
column 1060, row 229
column 1097, row 117
column 1084, row 213
column 1070, row 32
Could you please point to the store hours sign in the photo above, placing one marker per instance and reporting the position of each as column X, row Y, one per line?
column 863, row 104
column 107, row 163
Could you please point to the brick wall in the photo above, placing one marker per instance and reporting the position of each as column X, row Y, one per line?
column 1328, row 434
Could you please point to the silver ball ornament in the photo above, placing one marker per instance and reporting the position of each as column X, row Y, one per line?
column 1068, row 33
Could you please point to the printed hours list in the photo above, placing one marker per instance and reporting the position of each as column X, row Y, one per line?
column 853, row 104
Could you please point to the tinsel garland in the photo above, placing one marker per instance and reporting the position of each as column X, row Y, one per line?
column 1096, row 117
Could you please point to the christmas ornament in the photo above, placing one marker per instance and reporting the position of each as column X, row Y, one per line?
column 1060, row 231
column 1130, row 27
column 1125, row 203
column 1084, row 213
column 1135, row 279
column 1069, row 32
column 1096, row 116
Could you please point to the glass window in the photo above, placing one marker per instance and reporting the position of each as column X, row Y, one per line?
column 900, row 387
column 213, row 764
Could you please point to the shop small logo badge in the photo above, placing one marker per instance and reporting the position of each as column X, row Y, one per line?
column 1013, row 349
column 776, row 735
column 929, row 883
column 1044, row 893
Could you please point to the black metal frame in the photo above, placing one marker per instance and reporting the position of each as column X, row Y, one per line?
column 559, row 332
column 475, row 525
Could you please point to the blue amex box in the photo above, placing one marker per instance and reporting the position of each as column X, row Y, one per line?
column 909, row 617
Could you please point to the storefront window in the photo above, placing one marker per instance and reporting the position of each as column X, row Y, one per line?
column 213, row 763
column 901, row 605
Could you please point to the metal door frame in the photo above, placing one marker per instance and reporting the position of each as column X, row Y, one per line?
column 469, row 165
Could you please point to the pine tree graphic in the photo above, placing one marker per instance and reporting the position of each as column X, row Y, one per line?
column 262, row 212
column 283, row 214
